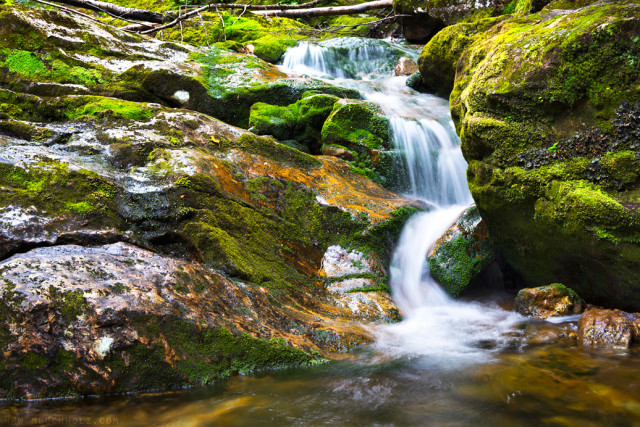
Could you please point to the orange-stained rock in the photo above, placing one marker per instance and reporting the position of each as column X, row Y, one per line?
column 608, row 328
column 548, row 301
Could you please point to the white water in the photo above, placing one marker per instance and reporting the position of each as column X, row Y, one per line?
column 444, row 331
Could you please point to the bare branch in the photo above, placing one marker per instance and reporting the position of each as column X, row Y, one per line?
column 327, row 11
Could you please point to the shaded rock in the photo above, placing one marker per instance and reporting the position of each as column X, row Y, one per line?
column 462, row 253
column 405, row 67
column 414, row 81
column 548, row 301
column 521, row 88
column 301, row 121
column 608, row 328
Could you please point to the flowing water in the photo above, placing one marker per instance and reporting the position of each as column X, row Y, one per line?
column 448, row 362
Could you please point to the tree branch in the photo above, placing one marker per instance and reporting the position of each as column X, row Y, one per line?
column 326, row 11
column 115, row 10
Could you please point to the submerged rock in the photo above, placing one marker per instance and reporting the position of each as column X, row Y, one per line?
column 548, row 301
column 608, row 328
column 560, row 83
column 462, row 253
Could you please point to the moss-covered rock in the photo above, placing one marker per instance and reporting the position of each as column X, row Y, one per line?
column 439, row 57
column 462, row 253
column 545, row 105
column 301, row 121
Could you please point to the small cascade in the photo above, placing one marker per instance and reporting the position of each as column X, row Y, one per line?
column 435, row 325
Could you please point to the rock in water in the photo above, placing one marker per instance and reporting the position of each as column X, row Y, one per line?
column 548, row 301
column 609, row 328
column 462, row 253
column 405, row 67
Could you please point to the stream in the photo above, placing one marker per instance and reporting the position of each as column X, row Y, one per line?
column 449, row 362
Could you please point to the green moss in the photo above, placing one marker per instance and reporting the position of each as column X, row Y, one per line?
column 52, row 188
column 79, row 207
column 439, row 57
column 25, row 64
column 356, row 124
column 110, row 108
column 70, row 305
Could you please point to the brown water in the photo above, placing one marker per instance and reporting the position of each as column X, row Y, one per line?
column 529, row 384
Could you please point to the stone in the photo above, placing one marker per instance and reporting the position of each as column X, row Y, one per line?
column 337, row 151
column 405, row 67
column 356, row 280
column 608, row 328
column 548, row 301
column 462, row 253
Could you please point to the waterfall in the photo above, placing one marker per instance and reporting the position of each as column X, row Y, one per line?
column 434, row 325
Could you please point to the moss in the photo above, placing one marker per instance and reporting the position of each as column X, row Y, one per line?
column 301, row 121
column 356, row 124
column 51, row 187
column 101, row 107
column 439, row 57
column 25, row 64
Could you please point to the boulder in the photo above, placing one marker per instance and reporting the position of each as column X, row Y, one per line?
column 55, row 54
column 405, row 67
column 462, row 253
column 548, row 301
column 546, row 109
column 608, row 328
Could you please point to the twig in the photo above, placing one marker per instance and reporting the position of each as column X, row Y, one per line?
column 224, row 31
column 243, row 11
column 217, row 6
column 203, row 26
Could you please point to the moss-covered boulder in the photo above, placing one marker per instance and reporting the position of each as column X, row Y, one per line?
column 545, row 106
column 48, row 53
column 462, row 253
column 439, row 57
column 301, row 122
column 548, row 301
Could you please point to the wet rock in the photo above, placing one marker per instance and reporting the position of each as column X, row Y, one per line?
column 337, row 151
column 608, row 328
column 110, row 318
column 405, row 67
column 357, row 283
column 548, row 301
column 462, row 253
column 414, row 81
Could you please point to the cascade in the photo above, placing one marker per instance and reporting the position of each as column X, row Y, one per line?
column 434, row 325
